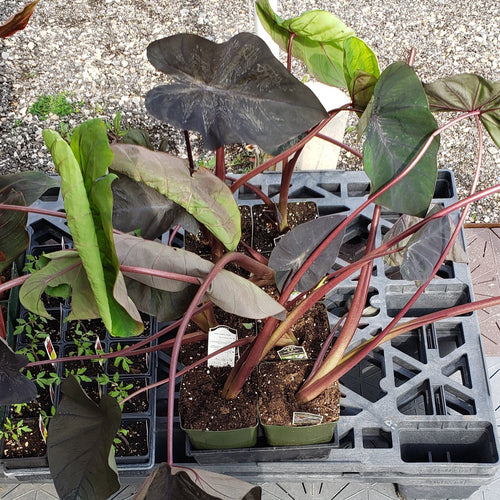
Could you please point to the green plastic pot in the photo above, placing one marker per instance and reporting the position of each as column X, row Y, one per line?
column 281, row 435
column 221, row 440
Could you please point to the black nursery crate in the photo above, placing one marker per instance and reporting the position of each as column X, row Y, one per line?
column 416, row 412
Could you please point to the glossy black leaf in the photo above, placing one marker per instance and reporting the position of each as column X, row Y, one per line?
column 232, row 92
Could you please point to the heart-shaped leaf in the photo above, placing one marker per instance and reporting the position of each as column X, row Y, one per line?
column 22, row 188
column 79, row 442
column 173, row 483
column 232, row 92
column 14, row 386
column 18, row 21
column 296, row 246
column 468, row 92
column 229, row 291
column 400, row 123
column 137, row 206
column 201, row 193
column 318, row 40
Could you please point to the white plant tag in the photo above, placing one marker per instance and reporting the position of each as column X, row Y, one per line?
column 99, row 349
column 218, row 338
column 292, row 352
column 43, row 430
column 303, row 418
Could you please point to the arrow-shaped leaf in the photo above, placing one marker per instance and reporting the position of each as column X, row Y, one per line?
column 18, row 21
column 232, row 92
column 468, row 92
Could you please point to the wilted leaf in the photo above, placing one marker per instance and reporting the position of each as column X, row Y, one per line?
column 399, row 125
column 468, row 92
column 232, row 92
column 18, row 189
column 202, row 194
column 318, row 41
column 79, row 443
column 173, row 483
column 137, row 206
column 18, row 21
column 14, row 386
column 296, row 246
column 229, row 291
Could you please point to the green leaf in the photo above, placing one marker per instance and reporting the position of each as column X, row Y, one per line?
column 89, row 220
column 202, row 194
column 15, row 387
column 79, row 442
column 18, row 189
column 361, row 71
column 318, row 41
column 229, row 291
column 468, row 92
column 232, row 92
column 399, row 125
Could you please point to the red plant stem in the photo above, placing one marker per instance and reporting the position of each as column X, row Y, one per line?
column 351, row 150
column 357, row 306
column 411, row 57
column 33, row 210
column 220, row 165
column 160, row 274
column 236, row 343
column 286, row 180
column 173, row 232
column 289, row 53
column 285, row 154
column 189, row 151
column 13, row 283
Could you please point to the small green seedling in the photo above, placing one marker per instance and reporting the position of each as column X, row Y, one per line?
column 13, row 430
column 54, row 104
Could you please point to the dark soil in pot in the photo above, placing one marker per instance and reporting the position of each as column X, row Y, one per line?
column 134, row 442
column 200, row 243
column 89, row 327
column 202, row 406
column 30, row 444
column 265, row 226
column 278, row 384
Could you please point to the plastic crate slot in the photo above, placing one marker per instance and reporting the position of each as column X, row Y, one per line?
column 439, row 401
column 331, row 187
column 354, row 243
column 332, row 209
column 339, row 301
column 245, row 193
column 450, row 336
column 474, row 444
column 403, row 371
column 444, row 185
column 305, row 193
column 412, row 344
column 376, row 438
column 346, row 441
column 364, row 379
column 52, row 194
column 358, row 189
column 45, row 233
column 435, row 298
column 417, row 401
column 458, row 403
column 459, row 372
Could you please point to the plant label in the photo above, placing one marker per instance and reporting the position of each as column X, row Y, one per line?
column 43, row 429
column 292, row 352
column 303, row 418
column 219, row 337
column 99, row 349
column 49, row 347
column 52, row 393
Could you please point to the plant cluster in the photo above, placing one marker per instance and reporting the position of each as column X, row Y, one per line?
column 54, row 104
column 237, row 92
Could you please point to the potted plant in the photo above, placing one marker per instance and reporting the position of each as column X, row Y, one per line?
column 399, row 157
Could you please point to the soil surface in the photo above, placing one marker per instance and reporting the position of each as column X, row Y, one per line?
column 202, row 406
column 278, row 383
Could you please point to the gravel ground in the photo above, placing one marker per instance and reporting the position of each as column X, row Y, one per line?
column 95, row 51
